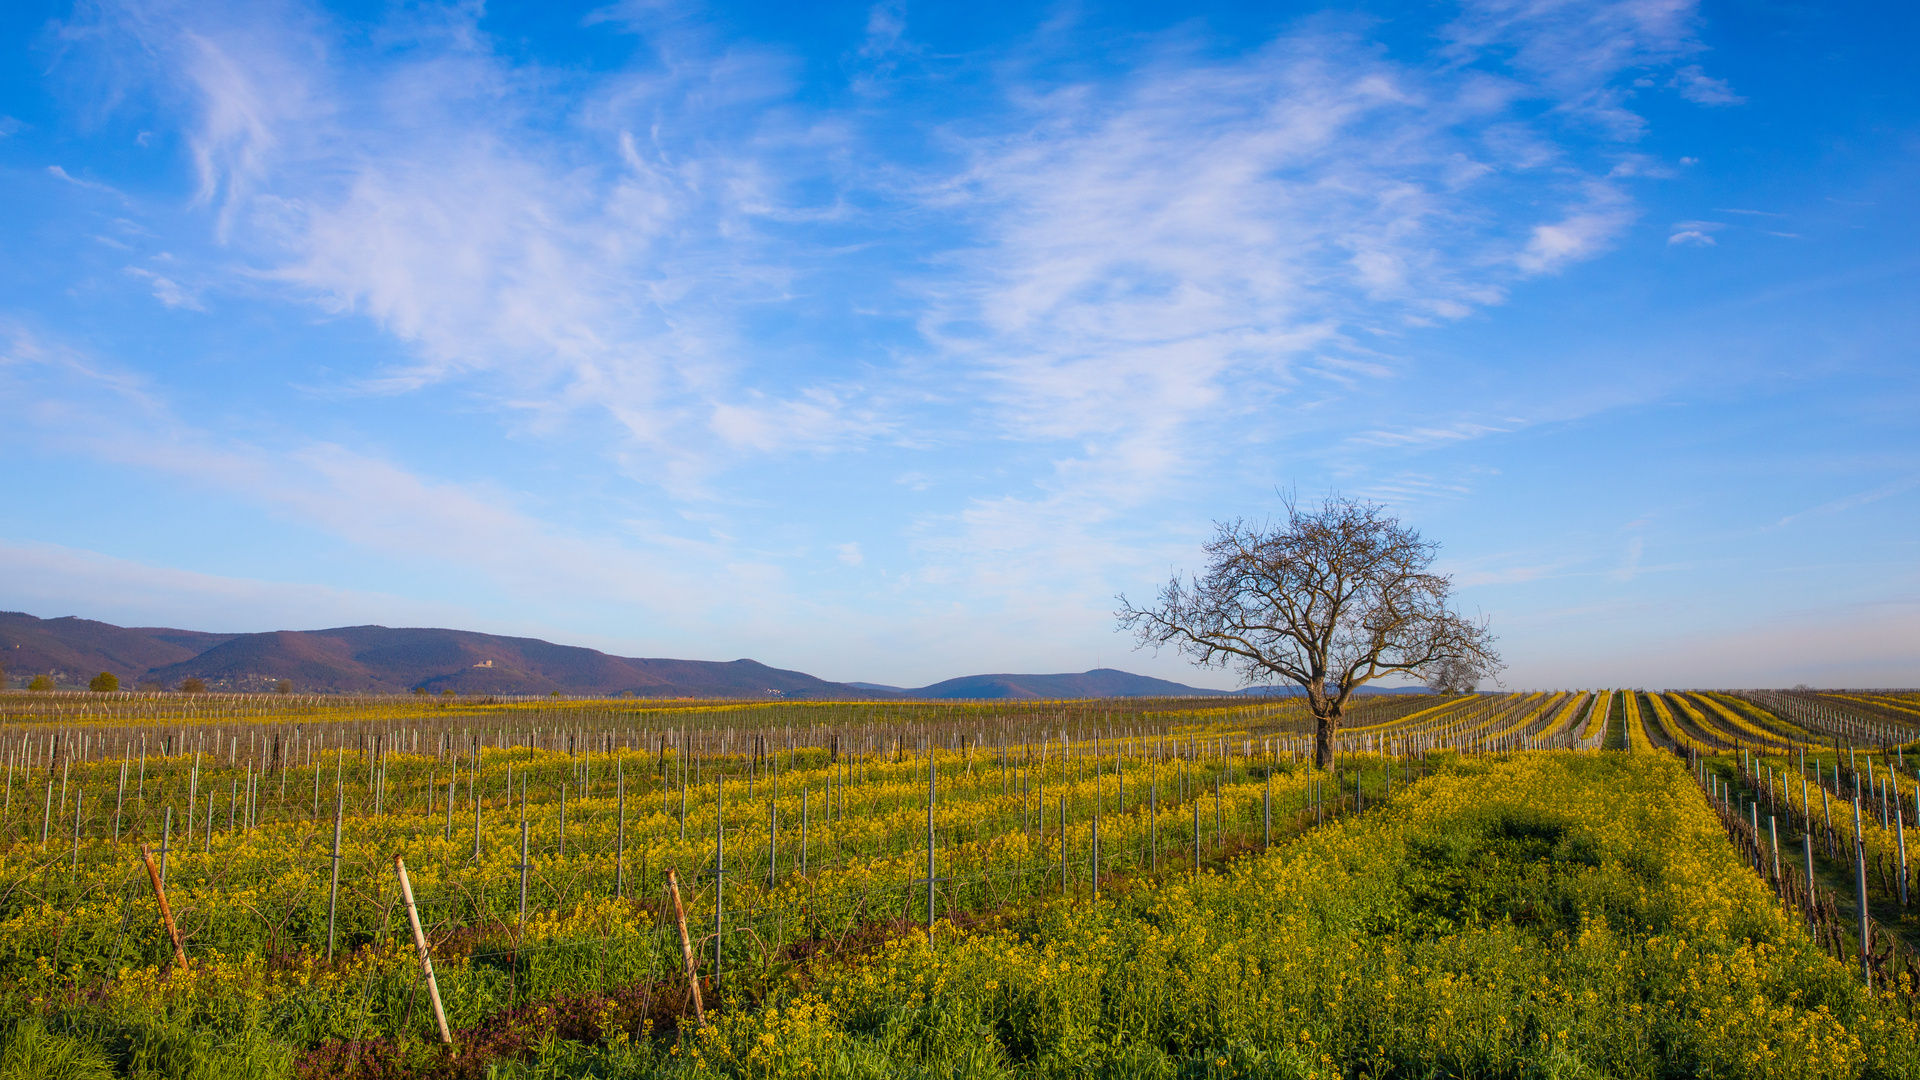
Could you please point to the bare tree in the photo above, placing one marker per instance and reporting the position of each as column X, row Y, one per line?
column 1452, row 675
column 1330, row 599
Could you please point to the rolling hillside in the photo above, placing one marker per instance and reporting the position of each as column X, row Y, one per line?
column 1100, row 682
column 379, row 659
column 388, row 660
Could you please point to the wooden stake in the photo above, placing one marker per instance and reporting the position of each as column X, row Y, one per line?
column 523, row 848
column 620, row 836
column 933, row 791
column 686, row 946
column 333, row 889
column 1860, row 894
column 420, row 942
column 166, row 913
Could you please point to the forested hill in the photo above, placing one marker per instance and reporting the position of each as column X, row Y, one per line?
column 378, row 659
column 1098, row 683
column 388, row 660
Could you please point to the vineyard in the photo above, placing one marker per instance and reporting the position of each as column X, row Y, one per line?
column 1613, row 883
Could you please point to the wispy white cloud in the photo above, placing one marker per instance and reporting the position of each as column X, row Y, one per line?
column 818, row 418
column 1700, row 88
column 1850, row 502
column 372, row 504
column 1403, row 488
column 1696, row 233
column 59, row 173
column 250, row 89
column 1137, row 243
column 1205, row 239
column 1461, row 431
column 559, row 252
column 166, row 290
column 1630, row 165
column 1122, row 267
column 1583, row 233
column 1576, row 54
column 52, row 580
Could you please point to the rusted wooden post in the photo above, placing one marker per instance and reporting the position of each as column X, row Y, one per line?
column 420, row 942
column 166, row 913
column 686, row 946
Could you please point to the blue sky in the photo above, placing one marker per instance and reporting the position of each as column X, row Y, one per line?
column 890, row 342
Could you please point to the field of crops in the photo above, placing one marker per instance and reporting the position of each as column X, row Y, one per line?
column 1143, row 887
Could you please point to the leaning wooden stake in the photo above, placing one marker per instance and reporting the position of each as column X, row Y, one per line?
column 166, row 913
column 420, row 942
column 686, row 946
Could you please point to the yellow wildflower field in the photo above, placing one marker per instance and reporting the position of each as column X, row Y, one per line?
column 1145, row 888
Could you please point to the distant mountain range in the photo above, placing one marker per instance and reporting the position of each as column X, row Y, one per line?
column 378, row 660
column 1098, row 683
column 382, row 660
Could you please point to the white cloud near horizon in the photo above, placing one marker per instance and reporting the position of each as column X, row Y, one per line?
column 68, row 400
column 52, row 581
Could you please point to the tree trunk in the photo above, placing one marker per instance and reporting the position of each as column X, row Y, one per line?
column 1323, row 728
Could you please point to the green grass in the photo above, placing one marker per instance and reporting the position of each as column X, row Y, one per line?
column 31, row 1052
column 1616, row 725
column 1560, row 915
